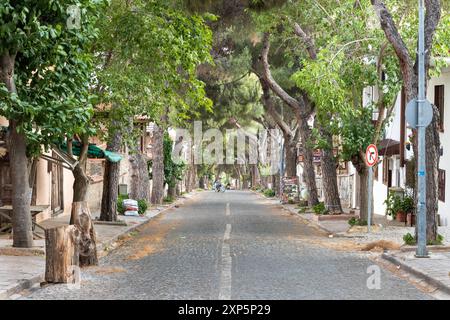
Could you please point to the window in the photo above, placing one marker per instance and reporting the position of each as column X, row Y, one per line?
column 441, row 185
column 439, row 103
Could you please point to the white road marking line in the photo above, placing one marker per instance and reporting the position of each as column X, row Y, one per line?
column 227, row 210
column 226, row 236
column 225, row 276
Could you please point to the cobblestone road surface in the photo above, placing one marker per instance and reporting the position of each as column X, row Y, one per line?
column 230, row 245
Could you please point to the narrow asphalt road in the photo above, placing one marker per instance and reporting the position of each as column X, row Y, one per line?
column 230, row 245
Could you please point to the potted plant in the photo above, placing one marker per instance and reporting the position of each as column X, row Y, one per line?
column 408, row 207
column 395, row 208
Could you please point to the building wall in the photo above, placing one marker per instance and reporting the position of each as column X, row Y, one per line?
column 444, row 163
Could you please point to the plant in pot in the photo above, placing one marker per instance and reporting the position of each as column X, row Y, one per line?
column 394, row 207
column 408, row 207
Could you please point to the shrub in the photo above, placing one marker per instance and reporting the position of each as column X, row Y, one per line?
column 320, row 208
column 120, row 207
column 409, row 239
column 142, row 206
column 353, row 221
column 168, row 199
column 269, row 193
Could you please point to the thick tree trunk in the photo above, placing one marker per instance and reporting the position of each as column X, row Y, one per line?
column 21, row 192
column 276, row 184
column 171, row 189
column 17, row 148
column 290, row 157
column 140, row 186
column 309, row 175
column 81, row 217
column 61, row 254
column 329, row 177
column 111, row 178
column 158, row 166
column 81, row 180
column 363, row 200
column 256, row 178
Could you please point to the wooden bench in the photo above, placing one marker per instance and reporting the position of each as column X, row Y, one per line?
column 6, row 212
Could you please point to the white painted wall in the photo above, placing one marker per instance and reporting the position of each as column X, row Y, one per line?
column 444, row 163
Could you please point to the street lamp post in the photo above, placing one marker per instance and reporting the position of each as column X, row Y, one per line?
column 421, row 251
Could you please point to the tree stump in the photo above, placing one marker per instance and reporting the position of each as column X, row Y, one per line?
column 81, row 218
column 62, row 256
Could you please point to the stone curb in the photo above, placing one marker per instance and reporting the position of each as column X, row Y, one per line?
column 102, row 250
column 414, row 271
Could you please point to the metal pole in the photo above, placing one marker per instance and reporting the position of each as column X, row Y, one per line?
column 369, row 198
column 421, row 251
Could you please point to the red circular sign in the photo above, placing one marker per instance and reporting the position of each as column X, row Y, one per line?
column 371, row 155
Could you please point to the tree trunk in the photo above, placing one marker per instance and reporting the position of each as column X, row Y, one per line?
column 409, row 70
column 21, row 192
column 61, row 254
column 140, row 188
column 81, row 180
column 290, row 157
column 201, row 182
column 309, row 175
column 171, row 189
column 111, row 178
column 276, row 184
column 329, row 177
column 81, row 217
column 17, row 148
column 158, row 166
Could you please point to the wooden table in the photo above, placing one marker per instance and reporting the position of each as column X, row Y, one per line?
column 6, row 212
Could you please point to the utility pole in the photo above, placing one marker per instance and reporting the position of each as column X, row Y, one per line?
column 421, row 251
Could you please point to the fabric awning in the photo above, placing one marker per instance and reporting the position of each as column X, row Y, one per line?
column 94, row 152
column 389, row 147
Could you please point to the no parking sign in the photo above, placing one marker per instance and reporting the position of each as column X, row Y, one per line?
column 371, row 155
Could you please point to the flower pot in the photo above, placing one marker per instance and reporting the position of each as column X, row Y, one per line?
column 400, row 216
column 411, row 219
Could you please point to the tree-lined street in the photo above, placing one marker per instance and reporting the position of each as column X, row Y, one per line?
column 254, row 250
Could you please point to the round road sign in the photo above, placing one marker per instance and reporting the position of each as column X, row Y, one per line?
column 371, row 155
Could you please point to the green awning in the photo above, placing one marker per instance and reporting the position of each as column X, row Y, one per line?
column 112, row 156
column 94, row 152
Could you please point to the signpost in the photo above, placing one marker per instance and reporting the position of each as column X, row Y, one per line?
column 419, row 116
column 371, row 160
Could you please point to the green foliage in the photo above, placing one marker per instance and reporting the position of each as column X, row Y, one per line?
column 353, row 221
column 269, row 193
column 173, row 172
column 396, row 203
column 168, row 199
column 320, row 209
column 142, row 206
column 409, row 239
column 120, row 206
column 149, row 53
column 52, row 68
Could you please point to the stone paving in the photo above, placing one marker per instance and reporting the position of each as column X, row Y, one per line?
column 22, row 268
column 435, row 269
column 18, row 273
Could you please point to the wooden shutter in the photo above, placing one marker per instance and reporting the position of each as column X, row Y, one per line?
column 439, row 103
column 441, row 185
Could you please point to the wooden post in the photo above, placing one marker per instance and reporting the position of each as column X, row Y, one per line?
column 61, row 246
column 81, row 218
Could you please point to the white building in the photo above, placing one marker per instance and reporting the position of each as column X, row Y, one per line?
column 394, row 150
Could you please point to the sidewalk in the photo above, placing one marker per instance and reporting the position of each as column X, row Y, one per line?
column 22, row 269
column 434, row 270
